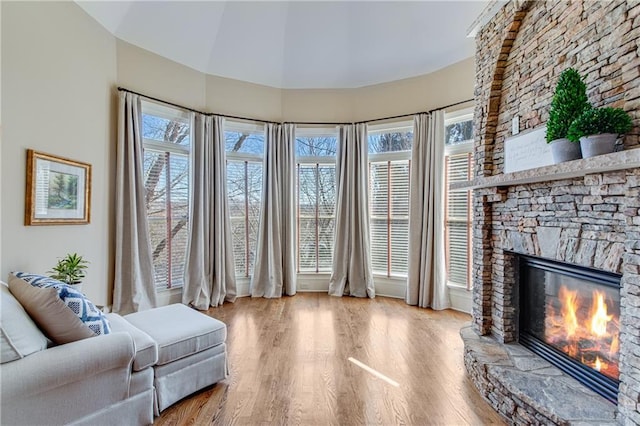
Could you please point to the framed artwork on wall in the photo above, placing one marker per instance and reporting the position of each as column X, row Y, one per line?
column 58, row 190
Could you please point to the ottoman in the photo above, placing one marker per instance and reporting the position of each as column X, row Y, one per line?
column 192, row 353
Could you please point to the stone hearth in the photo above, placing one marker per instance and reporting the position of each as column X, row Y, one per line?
column 527, row 389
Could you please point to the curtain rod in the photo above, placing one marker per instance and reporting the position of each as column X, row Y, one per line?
column 307, row 123
column 122, row 89
column 318, row 123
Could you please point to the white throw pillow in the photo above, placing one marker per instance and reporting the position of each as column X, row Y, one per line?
column 19, row 334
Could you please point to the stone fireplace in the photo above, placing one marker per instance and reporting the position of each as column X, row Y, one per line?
column 583, row 213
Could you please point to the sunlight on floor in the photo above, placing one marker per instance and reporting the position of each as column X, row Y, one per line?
column 374, row 372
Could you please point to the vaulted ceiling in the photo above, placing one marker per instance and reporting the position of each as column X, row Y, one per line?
column 298, row 44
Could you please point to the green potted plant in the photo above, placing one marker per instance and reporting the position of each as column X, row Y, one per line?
column 598, row 128
column 569, row 101
column 70, row 270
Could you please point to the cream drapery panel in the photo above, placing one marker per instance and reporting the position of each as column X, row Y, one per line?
column 274, row 272
column 209, row 278
column 134, row 284
column 351, row 273
column 426, row 286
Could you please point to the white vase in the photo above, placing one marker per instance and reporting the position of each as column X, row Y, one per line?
column 564, row 150
column 593, row 145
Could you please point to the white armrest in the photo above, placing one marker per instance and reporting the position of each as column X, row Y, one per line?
column 68, row 381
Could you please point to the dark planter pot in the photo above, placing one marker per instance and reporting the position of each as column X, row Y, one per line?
column 593, row 145
column 564, row 150
column 76, row 286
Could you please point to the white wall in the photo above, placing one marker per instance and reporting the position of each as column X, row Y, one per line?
column 449, row 85
column 239, row 98
column 1, row 132
column 153, row 75
column 444, row 87
column 58, row 74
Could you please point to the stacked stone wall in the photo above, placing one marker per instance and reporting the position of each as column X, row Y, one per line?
column 522, row 51
column 591, row 221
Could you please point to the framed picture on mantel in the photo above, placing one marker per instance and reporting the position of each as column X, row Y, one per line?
column 58, row 190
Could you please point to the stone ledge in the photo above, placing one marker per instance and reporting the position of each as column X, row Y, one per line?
column 622, row 160
column 526, row 389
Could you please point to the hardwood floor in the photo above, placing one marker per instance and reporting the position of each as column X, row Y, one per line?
column 289, row 364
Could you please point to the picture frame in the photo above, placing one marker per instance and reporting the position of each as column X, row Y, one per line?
column 58, row 190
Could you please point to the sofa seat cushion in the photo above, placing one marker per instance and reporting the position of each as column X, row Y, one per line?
column 146, row 348
column 19, row 336
column 179, row 330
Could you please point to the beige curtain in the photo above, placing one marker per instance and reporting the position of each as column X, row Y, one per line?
column 274, row 272
column 134, row 288
column 426, row 282
column 351, row 273
column 209, row 278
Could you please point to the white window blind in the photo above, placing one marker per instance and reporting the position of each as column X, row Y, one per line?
column 166, row 134
column 389, row 173
column 458, row 225
column 389, row 192
column 458, row 168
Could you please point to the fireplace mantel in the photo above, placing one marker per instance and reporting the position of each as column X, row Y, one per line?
column 621, row 160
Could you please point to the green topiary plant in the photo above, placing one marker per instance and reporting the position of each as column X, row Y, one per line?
column 569, row 101
column 69, row 269
column 596, row 121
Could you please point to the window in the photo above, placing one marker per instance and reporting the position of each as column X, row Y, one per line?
column 316, row 198
column 166, row 136
column 389, row 172
column 458, row 168
column 244, row 144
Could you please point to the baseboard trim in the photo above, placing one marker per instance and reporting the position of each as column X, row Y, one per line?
column 319, row 283
column 461, row 299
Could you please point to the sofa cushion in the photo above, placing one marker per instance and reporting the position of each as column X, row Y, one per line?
column 63, row 313
column 146, row 348
column 179, row 330
column 19, row 336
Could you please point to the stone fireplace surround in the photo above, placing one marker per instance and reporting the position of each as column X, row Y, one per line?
column 584, row 212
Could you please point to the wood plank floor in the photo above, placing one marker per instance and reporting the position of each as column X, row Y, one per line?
column 289, row 364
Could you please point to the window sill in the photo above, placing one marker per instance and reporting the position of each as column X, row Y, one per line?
column 167, row 296
column 457, row 286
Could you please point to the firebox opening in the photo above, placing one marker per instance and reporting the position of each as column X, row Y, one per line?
column 570, row 315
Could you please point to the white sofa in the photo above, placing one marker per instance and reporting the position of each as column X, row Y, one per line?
column 90, row 381
column 106, row 379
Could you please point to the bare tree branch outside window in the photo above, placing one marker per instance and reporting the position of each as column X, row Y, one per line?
column 166, row 182
column 244, row 192
column 316, row 189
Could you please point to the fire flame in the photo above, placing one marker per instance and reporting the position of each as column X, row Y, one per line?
column 590, row 336
column 598, row 364
column 569, row 301
column 599, row 317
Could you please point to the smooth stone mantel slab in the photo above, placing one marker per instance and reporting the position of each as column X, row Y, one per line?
column 622, row 160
